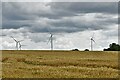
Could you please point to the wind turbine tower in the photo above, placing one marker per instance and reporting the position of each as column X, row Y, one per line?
column 51, row 40
column 92, row 40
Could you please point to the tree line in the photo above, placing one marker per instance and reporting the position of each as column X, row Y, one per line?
column 113, row 47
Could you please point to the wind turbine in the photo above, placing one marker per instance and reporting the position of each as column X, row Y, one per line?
column 17, row 42
column 51, row 40
column 92, row 40
column 20, row 46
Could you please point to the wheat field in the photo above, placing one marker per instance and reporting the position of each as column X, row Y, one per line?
column 59, row 64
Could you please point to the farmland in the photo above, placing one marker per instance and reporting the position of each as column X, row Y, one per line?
column 59, row 64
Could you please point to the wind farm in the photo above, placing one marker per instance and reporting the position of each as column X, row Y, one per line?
column 61, row 40
column 59, row 63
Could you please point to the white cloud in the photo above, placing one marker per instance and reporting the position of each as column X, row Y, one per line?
column 80, row 40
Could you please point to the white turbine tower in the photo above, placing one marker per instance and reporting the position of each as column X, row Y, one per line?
column 51, row 40
column 92, row 40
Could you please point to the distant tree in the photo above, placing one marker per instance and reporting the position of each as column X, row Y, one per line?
column 86, row 50
column 75, row 50
column 107, row 49
column 113, row 47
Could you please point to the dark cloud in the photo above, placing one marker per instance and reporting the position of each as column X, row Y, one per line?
column 86, row 7
column 13, row 24
column 58, row 16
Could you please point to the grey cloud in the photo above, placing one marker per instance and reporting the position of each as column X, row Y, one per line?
column 23, row 11
column 77, row 24
column 13, row 25
column 11, row 11
column 66, row 25
column 31, row 16
column 86, row 7
column 62, row 9
column 37, row 37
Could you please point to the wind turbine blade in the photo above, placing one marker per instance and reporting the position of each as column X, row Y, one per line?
column 93, row 40
column 14, row 39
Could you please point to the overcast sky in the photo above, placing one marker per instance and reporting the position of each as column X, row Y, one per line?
column 72, row 23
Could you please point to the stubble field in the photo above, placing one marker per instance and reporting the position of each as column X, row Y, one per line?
column 59, row 64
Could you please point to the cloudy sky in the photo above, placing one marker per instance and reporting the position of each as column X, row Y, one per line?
column 72, row 23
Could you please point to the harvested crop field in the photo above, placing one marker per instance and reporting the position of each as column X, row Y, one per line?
column 59, row 64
